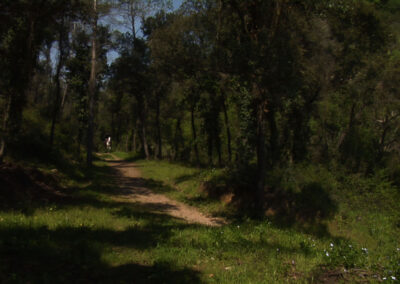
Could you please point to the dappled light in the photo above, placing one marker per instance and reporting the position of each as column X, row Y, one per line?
column 199, row 141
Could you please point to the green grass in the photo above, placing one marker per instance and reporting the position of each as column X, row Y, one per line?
column 367, row 215
column 182, row 183
column 91, row 238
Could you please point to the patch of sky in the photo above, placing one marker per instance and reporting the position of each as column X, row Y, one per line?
column 117, row 22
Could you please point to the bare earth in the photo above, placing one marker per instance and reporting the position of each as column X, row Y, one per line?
column 133, row 190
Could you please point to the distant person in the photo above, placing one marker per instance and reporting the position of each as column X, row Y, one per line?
column 107, row 143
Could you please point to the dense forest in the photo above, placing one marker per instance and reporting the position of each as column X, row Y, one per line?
column 284, row 102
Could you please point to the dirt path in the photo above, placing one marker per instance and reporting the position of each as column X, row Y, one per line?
column 133, row 190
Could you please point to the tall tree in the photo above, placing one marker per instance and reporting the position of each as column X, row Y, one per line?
column 24, row 29
column 92, row 87
column 62, row 39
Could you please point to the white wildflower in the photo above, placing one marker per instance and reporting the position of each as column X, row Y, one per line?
column 327, row 253
column 393, row 278
column 331, row 245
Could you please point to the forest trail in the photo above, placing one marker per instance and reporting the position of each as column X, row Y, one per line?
column 132, row 189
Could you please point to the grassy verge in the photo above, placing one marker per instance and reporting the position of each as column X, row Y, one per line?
column 362, row 232
column 90, row 238
column 183, row 184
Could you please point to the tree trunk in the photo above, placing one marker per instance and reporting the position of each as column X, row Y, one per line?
column 228, row 131
column 132, row 12
column 80, row 140
column 64, row 98
column 196, row 150
column 3, row 141
column 382, row 139
column 92, row 89
column 112, row 125
column 210, row 149
column 144, row 141
column 134, row 147
column 159, row 140
column 218, row 146
column 261, row 155
column 21, row 84
column 142, row 124
column 273, row 140
column 57, row 99
column 178, row 137
column 348, row 130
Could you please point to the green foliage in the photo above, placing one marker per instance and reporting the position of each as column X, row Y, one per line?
column 295, row 177
column 247, row 126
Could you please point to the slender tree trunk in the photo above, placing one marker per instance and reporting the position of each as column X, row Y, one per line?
column 196, row 150
column 132, row 12
column 92, row 89
column 299, row 147
column 49, row 71
column 134, row 148
column 119, row 131
column 159, row 140
column 64, row 98
column 129, row 141
column 142, row 125
column 178, row 137
column 273, row 140
column 218, row 146
column 228, row 131
column 112, row 125
column 382, row 143
column 349, row 128
column 144, row 141
column 261, row 154
column 2, row 148
column 210, row 149
column 80, row 138
column 3, row 141
column 57, row 99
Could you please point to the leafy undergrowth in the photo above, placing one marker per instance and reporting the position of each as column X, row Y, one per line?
column 90, row 238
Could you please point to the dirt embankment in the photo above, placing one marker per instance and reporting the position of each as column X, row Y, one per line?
column 18, row 184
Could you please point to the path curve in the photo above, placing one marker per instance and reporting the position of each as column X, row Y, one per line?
column 132, row 189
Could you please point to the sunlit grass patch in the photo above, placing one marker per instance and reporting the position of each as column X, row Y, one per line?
column 182, row 183
column 91, row 238
column 363, row 228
